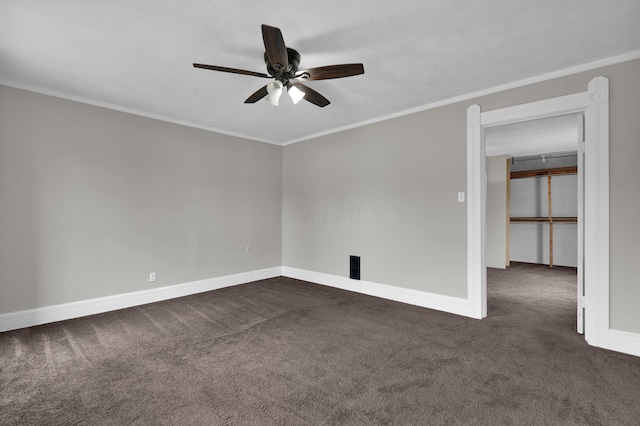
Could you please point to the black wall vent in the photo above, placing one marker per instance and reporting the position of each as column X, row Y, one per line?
column 354, row 268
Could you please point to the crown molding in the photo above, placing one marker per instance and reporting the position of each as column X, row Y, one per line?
column 613, row 60
column 490, row 91
column 132, row 111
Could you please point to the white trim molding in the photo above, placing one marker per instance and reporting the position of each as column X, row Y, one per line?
column 65, row 311
column 624, row 341
column 453, row 305
column 473, row 95
column 596, row 213
column 616, row 340
column 546, row 108
column 476, row 199
column 595, row 105
column 449, row 101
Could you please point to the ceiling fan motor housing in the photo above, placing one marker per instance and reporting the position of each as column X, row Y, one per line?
column 294, row 61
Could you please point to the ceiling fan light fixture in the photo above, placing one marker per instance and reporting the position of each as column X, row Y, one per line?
column 275, row 91
column 296, row 94
column 282, row 67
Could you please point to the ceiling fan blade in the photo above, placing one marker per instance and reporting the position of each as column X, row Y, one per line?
column 275, row 47
column 312, row 96
column 231, row 70
column 331, row 71
column 259, row 94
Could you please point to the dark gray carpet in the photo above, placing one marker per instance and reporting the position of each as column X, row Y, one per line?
column 286, row 352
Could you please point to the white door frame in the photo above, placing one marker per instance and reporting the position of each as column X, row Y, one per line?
column 580, row 177
column 594, row 103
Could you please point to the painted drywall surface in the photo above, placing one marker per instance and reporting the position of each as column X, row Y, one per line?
column 530, row 241
column 412, row 166
column 93, row 200
column 496, row 231
column 529, row 196
column 386, row 192
column 625, row 197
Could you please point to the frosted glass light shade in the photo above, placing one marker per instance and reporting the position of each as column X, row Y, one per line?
column 296, row 94
column 275, row 91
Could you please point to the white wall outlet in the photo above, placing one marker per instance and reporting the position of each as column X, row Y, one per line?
column 249, row 249
column 152, row 277
column 461, row 197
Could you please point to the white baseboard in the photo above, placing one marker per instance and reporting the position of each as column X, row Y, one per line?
column 623, row 341
column 453, row 305
column 619, row 341
column 32, row 317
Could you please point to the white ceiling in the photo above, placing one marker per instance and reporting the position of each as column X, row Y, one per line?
column 137, row 55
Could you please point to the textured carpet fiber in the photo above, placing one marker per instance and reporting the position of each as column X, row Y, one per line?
column 283, row 351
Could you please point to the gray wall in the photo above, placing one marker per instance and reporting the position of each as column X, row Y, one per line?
column 386, row 192
column 92, row 200
column 496, row 231
column 410, row 168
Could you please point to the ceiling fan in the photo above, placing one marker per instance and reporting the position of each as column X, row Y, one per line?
column 282, row 66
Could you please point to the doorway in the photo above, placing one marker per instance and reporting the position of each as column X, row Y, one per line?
column 535, row 161
column 594, row 103
column 536, row 262
column 532, row 201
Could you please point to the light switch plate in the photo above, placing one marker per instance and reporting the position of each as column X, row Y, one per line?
column 461, row 197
